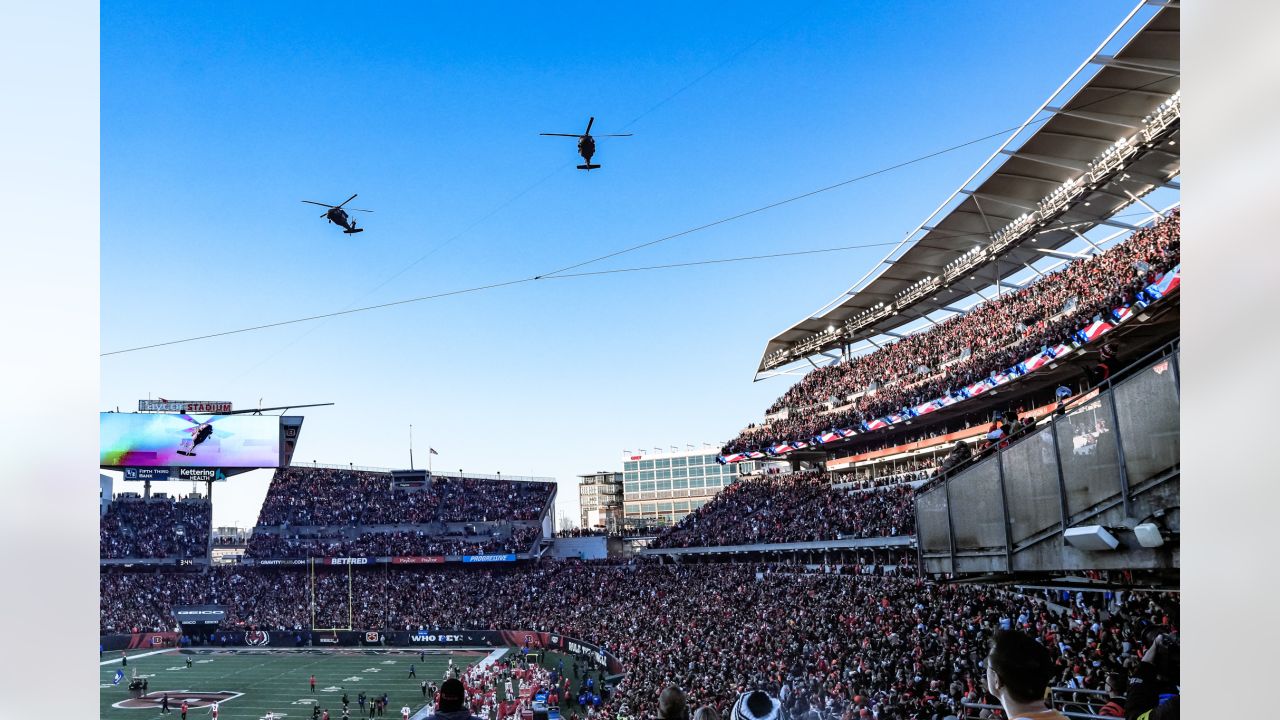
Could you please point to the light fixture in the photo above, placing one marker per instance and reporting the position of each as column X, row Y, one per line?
column 1090, row 537
column 1148, row 535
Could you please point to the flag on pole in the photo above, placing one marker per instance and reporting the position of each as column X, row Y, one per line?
column 432, row 451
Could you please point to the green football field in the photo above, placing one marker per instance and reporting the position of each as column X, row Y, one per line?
column 250, row 682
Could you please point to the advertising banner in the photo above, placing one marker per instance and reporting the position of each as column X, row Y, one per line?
column 199, row 614
column 509, row 557
column 446, row 638
column 139, row 641
column 184, row 406
column 417, row 560
column 215, row 441
column 145, row 473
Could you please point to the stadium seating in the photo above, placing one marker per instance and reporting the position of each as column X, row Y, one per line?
column 301, row 496
column 154, row 528
column 795, row 507
column 366, row 514
column 835, row 643
column 957, row 352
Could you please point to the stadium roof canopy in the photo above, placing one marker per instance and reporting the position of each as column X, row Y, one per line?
column 1060, row 143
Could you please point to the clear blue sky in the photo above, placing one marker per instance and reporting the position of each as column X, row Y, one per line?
column 218, row 118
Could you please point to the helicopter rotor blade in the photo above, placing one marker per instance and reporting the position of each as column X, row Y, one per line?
column 589, row 123
column 560, row 134
column 622, row 135
column 358, row 210
column 344, row 202
column 313, row 202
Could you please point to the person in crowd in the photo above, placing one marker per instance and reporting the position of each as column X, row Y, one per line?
column 672, row 704
column 756, row 705
column 1018, row 672
column 453, row 695
column 1117, row 685
column 1153, row 689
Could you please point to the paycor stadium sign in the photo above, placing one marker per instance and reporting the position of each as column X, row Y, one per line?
column 184, row 406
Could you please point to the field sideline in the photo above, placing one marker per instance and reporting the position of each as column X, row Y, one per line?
column 259, row 680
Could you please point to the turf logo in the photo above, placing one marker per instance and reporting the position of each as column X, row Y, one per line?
column 193, row 698
column 257, row 638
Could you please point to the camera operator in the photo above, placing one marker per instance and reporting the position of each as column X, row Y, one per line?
column 1154, row 686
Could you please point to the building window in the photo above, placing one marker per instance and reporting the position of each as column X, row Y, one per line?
column 630, row 465
column 679, row 484
column 662, row 485
column 646, row 464
column 695, row 472
column 679, row 462
column 662, row 463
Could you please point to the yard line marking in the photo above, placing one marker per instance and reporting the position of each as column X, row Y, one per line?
column 139, row 655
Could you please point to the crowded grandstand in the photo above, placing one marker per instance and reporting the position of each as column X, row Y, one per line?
column 971, row 513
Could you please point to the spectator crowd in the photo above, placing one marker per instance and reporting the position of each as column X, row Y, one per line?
column 990, row 338
column 154, row 528
column 793, row 507
column 301, row 496
column 831, row 645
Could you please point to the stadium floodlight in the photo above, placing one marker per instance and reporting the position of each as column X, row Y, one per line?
column 1148, row 535
column 1091, row 538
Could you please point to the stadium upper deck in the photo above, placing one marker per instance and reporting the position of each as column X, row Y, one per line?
column 1079, row 164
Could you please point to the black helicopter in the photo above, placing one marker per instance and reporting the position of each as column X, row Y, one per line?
column 586, row 144
column 199, row 432
column 338, row 216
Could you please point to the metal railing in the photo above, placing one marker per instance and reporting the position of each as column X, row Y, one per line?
column 1063, row 699
column 1104, row 460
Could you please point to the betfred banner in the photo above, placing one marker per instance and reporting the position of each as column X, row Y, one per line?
column 417, row 560
column 509, row 557
column 348, row 561
column 199, row 614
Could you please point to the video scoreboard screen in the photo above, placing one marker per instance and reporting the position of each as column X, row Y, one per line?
column 144, row 440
